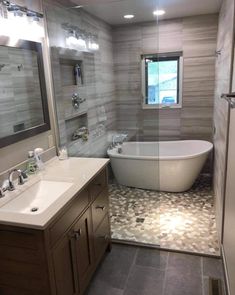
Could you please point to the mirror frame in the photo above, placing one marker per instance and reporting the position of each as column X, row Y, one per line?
column 45, row 126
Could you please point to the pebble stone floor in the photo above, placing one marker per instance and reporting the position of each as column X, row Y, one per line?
column 178, row 221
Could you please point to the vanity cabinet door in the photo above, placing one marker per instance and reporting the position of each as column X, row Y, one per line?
column 83, row 249
column 65, row 268
column 102, row 238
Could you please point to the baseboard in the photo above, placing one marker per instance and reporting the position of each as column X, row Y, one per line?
column 225, row 271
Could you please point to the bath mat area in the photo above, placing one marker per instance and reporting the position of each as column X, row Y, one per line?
column 177, row 221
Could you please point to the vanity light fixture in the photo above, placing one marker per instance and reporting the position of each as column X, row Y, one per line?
column 80, row 39
column 33, row 15
column 92, row 43
column 129, row 16
column 15, row 9
column 159, row 12
column 71, row 38
column 18, row 10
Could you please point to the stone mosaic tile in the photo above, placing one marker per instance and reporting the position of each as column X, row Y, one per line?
column 180, row 221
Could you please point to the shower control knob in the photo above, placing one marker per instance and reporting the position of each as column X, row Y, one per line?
column 77, row 100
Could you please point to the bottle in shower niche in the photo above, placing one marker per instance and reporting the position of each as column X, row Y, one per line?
column 78, row 74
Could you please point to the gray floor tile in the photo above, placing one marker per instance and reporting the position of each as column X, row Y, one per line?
column 102, row 288
column 185, row 264
column 212, row 267
column 145, row 281
column 115, row 268
column 131, row 270
column 181, row 284
column 152, row 258
column 206, row 286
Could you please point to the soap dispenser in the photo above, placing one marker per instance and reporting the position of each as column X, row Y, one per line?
column 37, row 156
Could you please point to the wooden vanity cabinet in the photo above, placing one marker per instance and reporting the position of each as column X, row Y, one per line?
column 73, row 257
column 68, row 250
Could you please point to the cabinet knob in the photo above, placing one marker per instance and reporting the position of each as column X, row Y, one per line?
column 105, row 237
column 101, row 207
column 76, row 234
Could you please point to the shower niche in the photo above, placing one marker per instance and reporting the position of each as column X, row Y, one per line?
column 73, row 74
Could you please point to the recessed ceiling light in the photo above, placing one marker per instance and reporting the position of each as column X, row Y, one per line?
column 129, row 16
column 159, row 12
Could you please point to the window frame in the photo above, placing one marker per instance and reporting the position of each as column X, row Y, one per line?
column 162, row 57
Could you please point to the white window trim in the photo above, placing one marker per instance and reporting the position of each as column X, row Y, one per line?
column 162, row 106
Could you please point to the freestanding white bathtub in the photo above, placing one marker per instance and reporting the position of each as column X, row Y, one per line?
column 171, row 166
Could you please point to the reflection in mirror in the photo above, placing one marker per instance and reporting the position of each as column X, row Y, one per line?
column 23, row 101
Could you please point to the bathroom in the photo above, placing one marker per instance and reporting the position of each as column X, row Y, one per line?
column 124, row 110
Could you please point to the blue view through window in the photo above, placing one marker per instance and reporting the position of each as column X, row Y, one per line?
column 162, row 80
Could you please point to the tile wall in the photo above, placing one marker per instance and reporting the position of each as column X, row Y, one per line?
column 196, row 37
column 98, row 88
column 221, row 111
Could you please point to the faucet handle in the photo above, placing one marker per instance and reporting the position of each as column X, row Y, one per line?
column 24, row 174
column 1, row 193
column 5, row 186
column 21, row 177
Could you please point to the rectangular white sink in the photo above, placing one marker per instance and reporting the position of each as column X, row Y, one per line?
column 37, row 198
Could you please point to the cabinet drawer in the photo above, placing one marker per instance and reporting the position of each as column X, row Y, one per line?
column 98, row 184
column 102, row 237
column 100, row 208
column 66, row 220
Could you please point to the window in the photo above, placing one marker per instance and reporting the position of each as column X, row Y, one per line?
column 162, row 80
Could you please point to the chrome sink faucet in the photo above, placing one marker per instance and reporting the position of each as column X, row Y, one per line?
column 21, row 178
column 8, row 184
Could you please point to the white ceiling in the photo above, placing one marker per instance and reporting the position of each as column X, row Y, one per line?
column 112, row 11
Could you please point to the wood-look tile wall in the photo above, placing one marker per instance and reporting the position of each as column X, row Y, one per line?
column 196, row 37
column 221, row 111
column 99, row 87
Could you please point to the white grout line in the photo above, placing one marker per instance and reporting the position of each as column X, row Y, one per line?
column 202, row 276
column 164, row 281
column 130, row 270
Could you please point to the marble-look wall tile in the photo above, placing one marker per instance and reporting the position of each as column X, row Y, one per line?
column 98, row 88
column 222, row 85
column 196, row 38
column 200, row 35
column 197, row 111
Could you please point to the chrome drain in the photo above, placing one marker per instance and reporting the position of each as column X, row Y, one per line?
column 34, row 209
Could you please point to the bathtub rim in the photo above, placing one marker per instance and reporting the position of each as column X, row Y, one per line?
column 113, row 153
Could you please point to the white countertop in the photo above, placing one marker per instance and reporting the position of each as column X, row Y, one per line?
column 79, row 171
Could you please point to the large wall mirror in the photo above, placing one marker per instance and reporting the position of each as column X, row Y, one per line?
column 23, row 98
